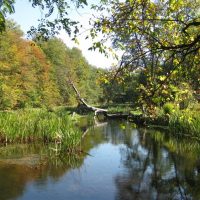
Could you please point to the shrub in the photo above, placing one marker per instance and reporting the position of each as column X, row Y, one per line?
column 168, row 108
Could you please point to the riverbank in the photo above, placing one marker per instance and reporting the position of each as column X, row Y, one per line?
column 59, row 125
column 184, row 123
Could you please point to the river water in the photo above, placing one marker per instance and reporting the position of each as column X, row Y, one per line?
column 119, row 162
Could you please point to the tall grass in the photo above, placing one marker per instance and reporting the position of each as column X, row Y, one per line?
column 185, row 123
column 38, row 125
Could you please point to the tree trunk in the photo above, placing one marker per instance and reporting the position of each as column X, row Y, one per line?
column 89, row 107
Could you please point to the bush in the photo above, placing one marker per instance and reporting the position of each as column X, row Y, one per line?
column 168, row 108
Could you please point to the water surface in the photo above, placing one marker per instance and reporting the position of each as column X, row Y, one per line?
column 121, row 163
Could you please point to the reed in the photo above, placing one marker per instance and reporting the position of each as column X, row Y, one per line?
column 39, row 125
column 185, row 123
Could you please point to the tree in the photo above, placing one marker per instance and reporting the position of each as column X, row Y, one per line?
column 147, row 27
column 25, row 74
column 121, row 89
column 158, row 37
column 47, row 26
column 35, row 74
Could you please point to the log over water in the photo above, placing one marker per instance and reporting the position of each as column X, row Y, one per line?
column 89, row 107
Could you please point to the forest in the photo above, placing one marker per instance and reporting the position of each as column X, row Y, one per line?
column 36, row 74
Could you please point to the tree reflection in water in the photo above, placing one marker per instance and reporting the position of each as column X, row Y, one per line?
column 158, row 167
column 23, row 164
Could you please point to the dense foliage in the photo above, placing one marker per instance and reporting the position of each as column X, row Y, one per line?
column 158, row 38
column 35, row 74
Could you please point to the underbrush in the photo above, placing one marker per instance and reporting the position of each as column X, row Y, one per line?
column 185, row 122
column 181, row 122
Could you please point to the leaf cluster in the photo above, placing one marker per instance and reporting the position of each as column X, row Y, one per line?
column 48, row 26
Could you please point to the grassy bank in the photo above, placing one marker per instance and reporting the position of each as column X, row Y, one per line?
column 181, row 122
column 39, row 125
column 184, row 122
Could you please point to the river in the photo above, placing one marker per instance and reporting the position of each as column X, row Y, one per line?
column 119, row 162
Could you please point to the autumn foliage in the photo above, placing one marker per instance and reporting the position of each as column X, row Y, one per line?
column 35, row 74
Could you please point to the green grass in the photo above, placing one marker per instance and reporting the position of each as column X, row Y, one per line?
column 136, row 112
column 119, row 109
column 39, row 125
column 185, row 122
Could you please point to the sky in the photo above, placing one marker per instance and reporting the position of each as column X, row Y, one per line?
column 26, row 16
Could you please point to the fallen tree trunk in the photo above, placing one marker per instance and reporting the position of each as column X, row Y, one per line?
column 95, row 109
column 89, row 107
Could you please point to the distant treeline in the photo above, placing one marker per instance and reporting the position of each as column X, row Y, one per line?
column 37, row 73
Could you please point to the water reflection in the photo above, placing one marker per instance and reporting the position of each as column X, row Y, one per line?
column 122, row 163
column 159, row 167
column 21, row 165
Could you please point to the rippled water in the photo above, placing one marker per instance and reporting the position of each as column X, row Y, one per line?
column 120, row 163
